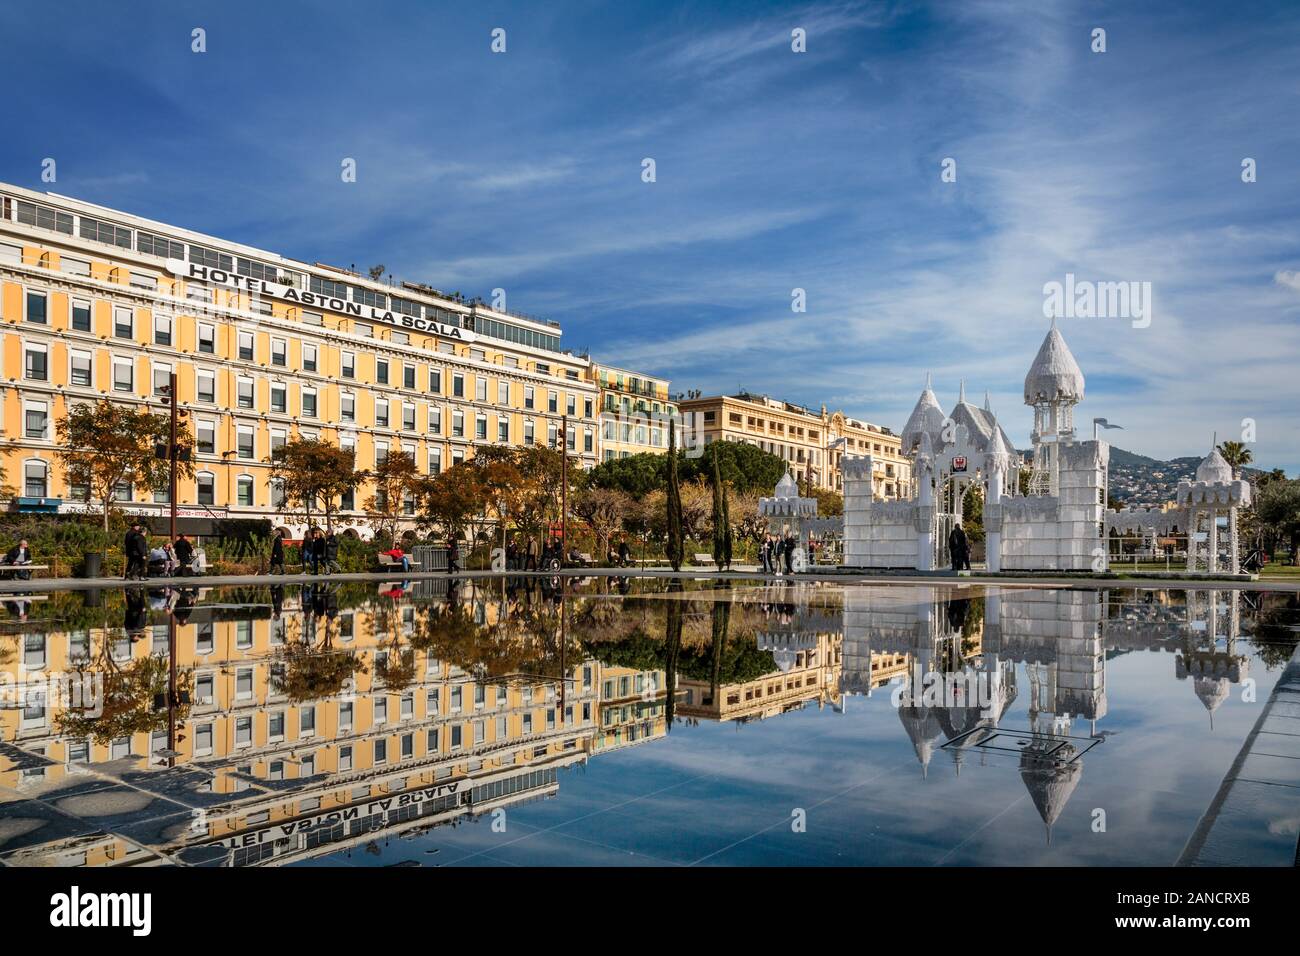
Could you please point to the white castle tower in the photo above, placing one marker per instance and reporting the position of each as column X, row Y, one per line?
column 1053, row 387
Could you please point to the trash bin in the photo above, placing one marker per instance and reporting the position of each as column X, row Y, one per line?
column 92, row 564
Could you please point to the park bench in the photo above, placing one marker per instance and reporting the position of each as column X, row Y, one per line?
column 388, row 563
column 585, row 559
column 701, row 558
column 9, row 569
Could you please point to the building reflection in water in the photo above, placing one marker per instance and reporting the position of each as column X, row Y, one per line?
column 277, row 724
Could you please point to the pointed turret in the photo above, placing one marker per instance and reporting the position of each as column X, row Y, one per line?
column 1055, row 375
column 926, row 417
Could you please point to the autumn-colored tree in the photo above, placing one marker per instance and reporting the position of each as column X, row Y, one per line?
column 603, row 511
column 314, row 474
column 394, row 479
column 749, row 525
column 106, row 444
column 452, row 500
column 127, row 692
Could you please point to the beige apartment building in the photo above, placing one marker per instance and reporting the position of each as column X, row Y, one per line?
column 634, row 412
column 812, row 443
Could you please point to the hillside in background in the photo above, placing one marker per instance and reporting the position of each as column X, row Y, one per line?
column 1141, row 481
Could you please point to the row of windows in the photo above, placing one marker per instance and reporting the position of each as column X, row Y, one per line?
column 36, row 310
column 45, row 217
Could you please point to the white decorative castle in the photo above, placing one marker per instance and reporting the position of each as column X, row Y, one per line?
column 1057, row 526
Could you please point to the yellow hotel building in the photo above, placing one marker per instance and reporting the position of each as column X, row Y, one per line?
column 96, row 303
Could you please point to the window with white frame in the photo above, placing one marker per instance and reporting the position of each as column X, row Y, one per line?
column 205, row 389
column 123, row 323
column 205, row 483
column 37, row 307
column 207, row 338
column 162, row 330
column 36, row 478
column 36, row 362
column 205, row 436
column 123, row 375
column 81, row 315
column 80, row 368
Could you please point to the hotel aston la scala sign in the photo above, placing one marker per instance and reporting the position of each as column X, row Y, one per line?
column 313, row 300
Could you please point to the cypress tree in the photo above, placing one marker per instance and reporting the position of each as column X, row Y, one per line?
column 719, row 515
column 676, row 546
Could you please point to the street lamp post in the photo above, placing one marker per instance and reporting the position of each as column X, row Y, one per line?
column 171, row 487
column 564, row 490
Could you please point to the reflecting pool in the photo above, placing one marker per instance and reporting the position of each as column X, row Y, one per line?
column 627, row 722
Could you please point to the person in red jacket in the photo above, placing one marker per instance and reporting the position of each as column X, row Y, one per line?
column 397, row 554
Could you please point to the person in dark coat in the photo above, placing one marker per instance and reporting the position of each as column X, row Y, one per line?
column 318, row 552
column 790, row 545
column 959, row 549
column 19, row 554
column 453, row 556
column 624, row 552
column 277, row 552
column 184, row 553
column 332, row 553
column 135, row 547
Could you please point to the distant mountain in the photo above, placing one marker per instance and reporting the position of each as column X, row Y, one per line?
column 1141, row 481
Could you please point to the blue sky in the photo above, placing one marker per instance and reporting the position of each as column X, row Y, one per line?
column 775, row 171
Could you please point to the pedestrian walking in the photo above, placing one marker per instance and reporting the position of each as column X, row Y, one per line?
column 277, row 552
column 453, row 556
column 532, row 554
column 959, row 548
column 332, row 553
column 135, row 548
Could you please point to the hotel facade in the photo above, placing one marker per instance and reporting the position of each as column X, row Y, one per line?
column 813, row 444
column 98, row 304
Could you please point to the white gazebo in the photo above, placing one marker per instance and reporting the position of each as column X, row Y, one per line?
column 1213, row 495
column 787, row 510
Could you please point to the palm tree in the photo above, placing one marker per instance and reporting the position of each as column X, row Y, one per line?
column 1237, row 455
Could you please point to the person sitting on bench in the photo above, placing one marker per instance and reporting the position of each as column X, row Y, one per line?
column 184, row 552
column 397, row 554
column 17, row 555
